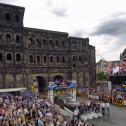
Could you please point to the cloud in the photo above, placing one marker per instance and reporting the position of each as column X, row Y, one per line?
column 7, row 1
column 116, row 25
column 60, row 12
column 57, row 9
column 78, row 33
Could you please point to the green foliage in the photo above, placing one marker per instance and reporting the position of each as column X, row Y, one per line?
column 101, row 76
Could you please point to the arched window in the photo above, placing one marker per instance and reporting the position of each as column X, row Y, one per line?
column 73, row 44
column 74, row 65
column 17, row 18
column 38, row 59
column 18, row 57
column 45, row 59
column 57, row 59
column 17, row 38
column 7, row 17
column 85, row 59
column 57, row 43
column 63, row 59
column 1, row 57
column 51, row 59
column 44, row 42
column 50, row 43
column 0, row 37
column 80, row 58
column 9, row 56
column 38, row 42
column 8, row 37
column 31, row 60
column 62, row 43
column 74, row 58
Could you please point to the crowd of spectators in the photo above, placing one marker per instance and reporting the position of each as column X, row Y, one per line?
column 33, row 111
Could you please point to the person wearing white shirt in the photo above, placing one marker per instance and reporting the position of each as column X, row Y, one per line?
column 108, row 108
column 103, row 108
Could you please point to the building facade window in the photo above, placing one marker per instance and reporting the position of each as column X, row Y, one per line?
column 9, row 56
column 57, row 43
column 1, row 57
column 51, row 43
column 17, row 18
column 18, row 38
column 80, row 58
column 74, row 58
column 7, row 17
column 31, row 59
column 63, row 59
column 51, row 59
column 73, row 44
column 38, row 59
column 18, row 57
column 62, row 43
column 8, row 37
column 45, row 59
column 44, row 42
column 57, row 59
column 38, row 42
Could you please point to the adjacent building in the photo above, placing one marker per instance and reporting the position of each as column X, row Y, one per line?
column 27, row 54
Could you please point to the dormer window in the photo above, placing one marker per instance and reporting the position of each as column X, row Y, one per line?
column 7, row 17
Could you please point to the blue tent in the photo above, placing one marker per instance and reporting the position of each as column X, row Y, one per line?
column 27, row 94
column 121, row 90
column 6, row 94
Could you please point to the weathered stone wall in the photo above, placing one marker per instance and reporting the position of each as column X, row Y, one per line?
column 26, row 53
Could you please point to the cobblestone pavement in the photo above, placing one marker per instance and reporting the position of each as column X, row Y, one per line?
column 117, row 117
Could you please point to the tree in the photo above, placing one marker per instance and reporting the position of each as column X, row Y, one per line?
column 101, row 76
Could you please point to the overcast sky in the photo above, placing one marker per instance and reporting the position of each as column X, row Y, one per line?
column 103, row 21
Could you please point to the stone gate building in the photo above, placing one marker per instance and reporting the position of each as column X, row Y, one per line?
column 28, row 53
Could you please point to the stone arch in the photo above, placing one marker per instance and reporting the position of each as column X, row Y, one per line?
column 38, row 59
column 44, row 59
column 63, row 59
column 19, row 80
column 51, row 59
column 8, row 37
column 31, row 59
column 9, row 56
column 18, row 57
column 73, row 58
column 57, row 59
column 42, row 84
column 58, row 77
column 9, row 80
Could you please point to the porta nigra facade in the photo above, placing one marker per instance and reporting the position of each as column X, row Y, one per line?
column 28, row 53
